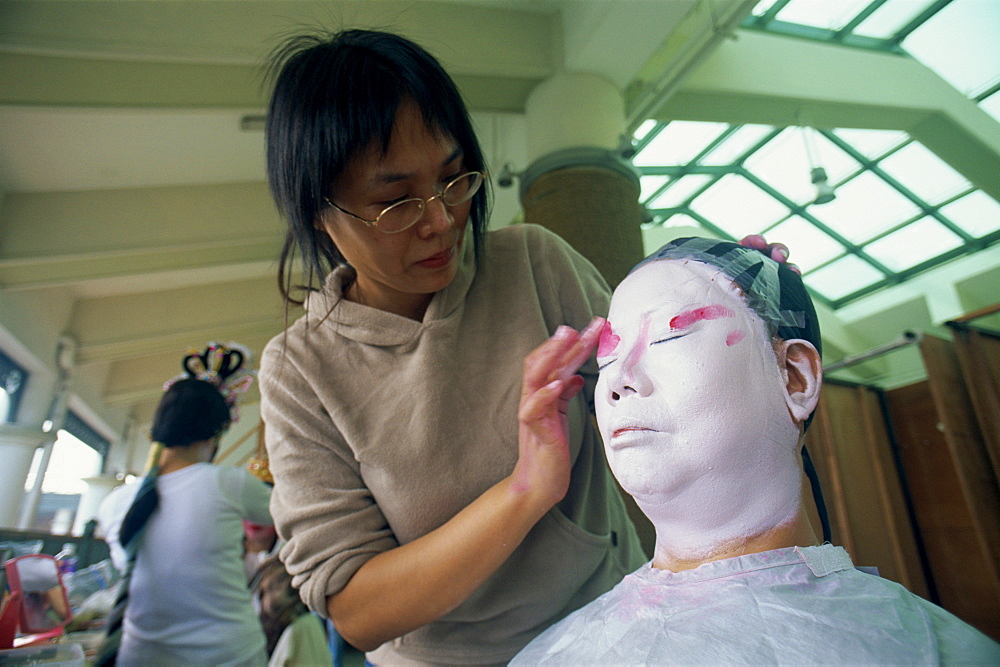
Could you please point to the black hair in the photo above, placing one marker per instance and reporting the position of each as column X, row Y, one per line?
column 336, row 96
column 190, row 411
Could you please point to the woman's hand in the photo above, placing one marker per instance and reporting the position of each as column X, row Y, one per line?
column 777, row 251
column 548, row 384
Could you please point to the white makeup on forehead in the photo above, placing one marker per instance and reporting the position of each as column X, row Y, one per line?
column 690, row 404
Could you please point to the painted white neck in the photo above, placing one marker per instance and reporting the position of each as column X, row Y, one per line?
column 712, row 519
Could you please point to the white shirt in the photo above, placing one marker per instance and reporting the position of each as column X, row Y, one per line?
column 188, row 600
column 794, row 605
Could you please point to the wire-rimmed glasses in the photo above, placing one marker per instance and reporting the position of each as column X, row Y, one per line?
column 404, row 214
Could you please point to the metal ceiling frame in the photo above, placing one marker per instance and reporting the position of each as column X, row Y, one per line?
column 865, row 164
column 845, row 36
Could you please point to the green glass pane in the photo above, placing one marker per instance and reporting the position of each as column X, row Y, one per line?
column 891, row 17
column 644, row 129
column 736, row 145
column 761, row 7
column 865, row 207
column 960, row 44
column 872, row 143
column 738, row 207
column 680, row 191
column 783, row 163
column 681, row 220
column 809, row 245
column 924, row 173
column 831, row 14
column 843, row 277
column 991, row 105
column 678, row 143
column 649, row 185
column 977, row 214
column 916, row 243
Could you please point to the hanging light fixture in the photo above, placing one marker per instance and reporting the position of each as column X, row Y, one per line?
column 824, row 191
column 817, row 174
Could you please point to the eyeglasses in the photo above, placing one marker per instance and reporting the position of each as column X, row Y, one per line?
column 404, row 214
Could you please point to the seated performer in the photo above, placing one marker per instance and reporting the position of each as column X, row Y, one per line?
column 710, row 373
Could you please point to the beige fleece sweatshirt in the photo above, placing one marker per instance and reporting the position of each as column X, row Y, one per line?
column 381, row 428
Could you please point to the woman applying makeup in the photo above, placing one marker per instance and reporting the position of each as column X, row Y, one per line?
column 432, row 506
column 428, row 521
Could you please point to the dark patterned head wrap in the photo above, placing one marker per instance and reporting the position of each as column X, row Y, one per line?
column 772, row 290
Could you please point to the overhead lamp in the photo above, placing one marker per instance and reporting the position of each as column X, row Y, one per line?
column 505, row 178
column 253, row 122
column 817, row 174
column 824, row 191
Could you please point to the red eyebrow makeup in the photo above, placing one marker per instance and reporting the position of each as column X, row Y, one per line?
column 689, row 317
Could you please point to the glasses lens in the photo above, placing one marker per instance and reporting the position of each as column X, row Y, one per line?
column 399, row 216
column 462, row 188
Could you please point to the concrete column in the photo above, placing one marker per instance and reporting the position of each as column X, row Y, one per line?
column 98, row 489
column 66, row 361
column 17, row 448
column 578, row 184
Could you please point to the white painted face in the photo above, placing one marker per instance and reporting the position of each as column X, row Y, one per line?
column 690, row 399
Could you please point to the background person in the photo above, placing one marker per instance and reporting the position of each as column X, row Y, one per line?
column 710, row 373
column 295, row 636
column 188, row 599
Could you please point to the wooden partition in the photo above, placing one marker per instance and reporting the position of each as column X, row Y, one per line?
column 978, row 355
column 851, row 448
column 953, row 485
column 910, row 475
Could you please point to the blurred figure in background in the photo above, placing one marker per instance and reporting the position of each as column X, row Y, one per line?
column 185, row 598
column 295, row 636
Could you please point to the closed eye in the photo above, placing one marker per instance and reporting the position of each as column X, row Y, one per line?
column 601, row 367
column 670, row 338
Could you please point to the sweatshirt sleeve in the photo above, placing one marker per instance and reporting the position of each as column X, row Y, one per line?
column 320, row 503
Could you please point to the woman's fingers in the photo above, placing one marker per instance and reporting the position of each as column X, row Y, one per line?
column 561, row 355
column 550, row 382
column 776, row 251
column 550, row 400
column 539, row 404
column 779, row 252
column 755, row 241
column 580, row 351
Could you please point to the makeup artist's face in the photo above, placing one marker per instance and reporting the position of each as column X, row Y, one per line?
column 400, row 272
column 689, row 388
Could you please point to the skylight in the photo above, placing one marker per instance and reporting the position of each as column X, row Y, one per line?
column 898, row 210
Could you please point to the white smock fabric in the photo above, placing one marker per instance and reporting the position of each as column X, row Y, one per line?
column 189, row 603
column 787, row 606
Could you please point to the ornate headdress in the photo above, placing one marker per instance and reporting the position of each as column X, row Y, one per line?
column 223, row 365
